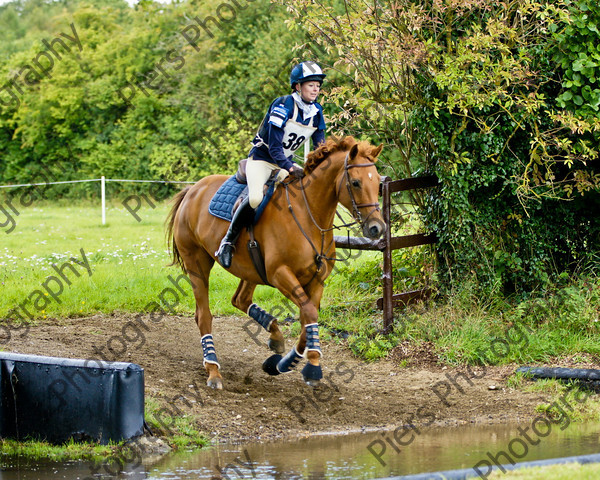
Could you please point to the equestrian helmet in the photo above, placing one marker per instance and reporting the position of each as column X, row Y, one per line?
column 306, row 72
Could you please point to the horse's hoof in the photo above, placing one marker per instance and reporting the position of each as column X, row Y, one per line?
column 277, row 346
column 270, row 365
column 312, row 383
column 215, row 383
column 312, row 374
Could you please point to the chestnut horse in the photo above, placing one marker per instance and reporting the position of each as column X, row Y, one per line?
column 296, row 237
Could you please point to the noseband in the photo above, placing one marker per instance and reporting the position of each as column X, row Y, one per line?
column 355, row 206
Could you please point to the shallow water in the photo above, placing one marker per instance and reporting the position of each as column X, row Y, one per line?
column 345, row 456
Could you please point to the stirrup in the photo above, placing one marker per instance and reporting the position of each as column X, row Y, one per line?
column 225, row 254
column 223, row 244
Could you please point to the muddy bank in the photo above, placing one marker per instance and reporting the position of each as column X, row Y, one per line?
column 354, row 395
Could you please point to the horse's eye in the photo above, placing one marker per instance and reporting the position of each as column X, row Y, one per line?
column 356, row 183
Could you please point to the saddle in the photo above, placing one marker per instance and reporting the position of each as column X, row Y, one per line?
column 235, row 189
column 229, row 197
column 240, row 175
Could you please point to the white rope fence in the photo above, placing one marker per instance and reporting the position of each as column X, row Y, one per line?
column 102, row 181
column 49, row 183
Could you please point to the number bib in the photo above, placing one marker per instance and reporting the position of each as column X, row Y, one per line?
column 295, row 134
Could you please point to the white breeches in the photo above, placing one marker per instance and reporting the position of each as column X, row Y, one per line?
column 257, row 174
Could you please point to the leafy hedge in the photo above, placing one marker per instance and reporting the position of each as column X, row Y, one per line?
column 94, row 112
column 500, row 102
column 518, row 198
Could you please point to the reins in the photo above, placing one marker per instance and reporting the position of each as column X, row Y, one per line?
column 320, row 255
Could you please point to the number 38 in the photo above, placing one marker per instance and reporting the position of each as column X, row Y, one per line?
column 294, row 141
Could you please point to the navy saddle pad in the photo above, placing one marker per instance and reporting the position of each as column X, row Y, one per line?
column 221, row 205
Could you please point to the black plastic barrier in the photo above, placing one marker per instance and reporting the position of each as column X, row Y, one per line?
column 586, row 374
column 471, row 473
column 59, row 398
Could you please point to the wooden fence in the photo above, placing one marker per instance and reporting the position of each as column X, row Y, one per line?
column 387, row 244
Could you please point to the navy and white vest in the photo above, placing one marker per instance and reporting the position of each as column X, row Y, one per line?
column 284, row 130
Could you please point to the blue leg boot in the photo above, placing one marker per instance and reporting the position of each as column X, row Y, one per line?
column 312, row 373
column 208, row 347
column 265, row 319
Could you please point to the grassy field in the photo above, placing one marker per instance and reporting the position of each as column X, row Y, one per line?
column 120, row 266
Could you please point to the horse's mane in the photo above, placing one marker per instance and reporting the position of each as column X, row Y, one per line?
column 333, row 144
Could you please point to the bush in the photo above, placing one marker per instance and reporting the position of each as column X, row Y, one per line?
column 501, row 102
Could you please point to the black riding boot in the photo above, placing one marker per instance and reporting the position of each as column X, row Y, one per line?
column 242, row 218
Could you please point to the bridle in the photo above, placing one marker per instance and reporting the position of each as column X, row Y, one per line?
column 320, row 255
column 356, row 206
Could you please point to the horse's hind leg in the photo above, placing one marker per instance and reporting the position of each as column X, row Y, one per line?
column 198, row 266
column 242, row 299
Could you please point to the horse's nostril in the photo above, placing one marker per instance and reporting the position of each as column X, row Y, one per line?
column 374, row 231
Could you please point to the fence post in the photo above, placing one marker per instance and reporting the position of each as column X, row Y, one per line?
column 388, row 281
column 103, row 195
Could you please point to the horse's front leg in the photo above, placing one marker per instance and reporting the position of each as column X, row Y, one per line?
column 309, row 336
column 308, row 343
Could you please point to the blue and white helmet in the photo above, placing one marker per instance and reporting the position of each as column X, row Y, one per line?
column 306, row 72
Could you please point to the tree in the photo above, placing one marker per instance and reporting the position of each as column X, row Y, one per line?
column 482, row 95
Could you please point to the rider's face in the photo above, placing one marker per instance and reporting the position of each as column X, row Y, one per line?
column 310, row 91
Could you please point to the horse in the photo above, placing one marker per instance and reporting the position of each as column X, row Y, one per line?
column 295, row 233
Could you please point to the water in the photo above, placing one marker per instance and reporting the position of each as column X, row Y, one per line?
column 342, row 457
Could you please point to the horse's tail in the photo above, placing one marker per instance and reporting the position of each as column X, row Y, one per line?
column 177, row 260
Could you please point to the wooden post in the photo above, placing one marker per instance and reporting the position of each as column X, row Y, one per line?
column 388, row 244
column 388, row 281
column 103, row 195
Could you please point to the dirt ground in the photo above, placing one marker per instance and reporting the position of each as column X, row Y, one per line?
column 409, row 387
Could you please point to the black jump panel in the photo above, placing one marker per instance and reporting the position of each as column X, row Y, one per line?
column 55, row 399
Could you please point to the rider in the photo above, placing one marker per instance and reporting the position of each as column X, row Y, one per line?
column 290, row 121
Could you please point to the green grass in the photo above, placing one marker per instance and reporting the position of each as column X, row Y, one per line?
column 36, row 450
column 179, row 431
column 128, row 261
column 536, row 329
column 584, row 405
column 554, row 472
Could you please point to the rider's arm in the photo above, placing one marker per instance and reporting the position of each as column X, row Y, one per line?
column 276, row 147
column 278, row 116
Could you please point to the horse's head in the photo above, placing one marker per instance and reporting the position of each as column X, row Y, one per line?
column 358, row 188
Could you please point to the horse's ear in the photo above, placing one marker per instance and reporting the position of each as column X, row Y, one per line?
column 376, row 151
column 354, row 151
